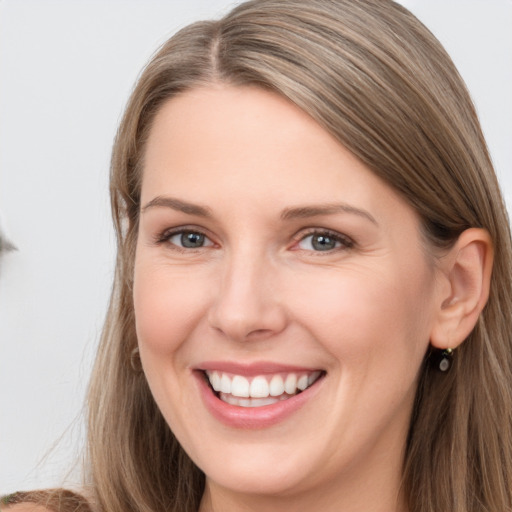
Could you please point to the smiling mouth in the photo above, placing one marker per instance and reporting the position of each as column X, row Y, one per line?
column 260, row 390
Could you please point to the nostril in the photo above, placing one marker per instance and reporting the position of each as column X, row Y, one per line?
column 259, row 333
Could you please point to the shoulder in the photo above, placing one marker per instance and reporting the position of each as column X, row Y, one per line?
column 24, row 507
column 48, row 500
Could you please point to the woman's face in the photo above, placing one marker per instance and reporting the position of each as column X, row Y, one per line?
column 274, row 266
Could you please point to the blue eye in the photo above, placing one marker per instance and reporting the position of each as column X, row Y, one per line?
column 323, row 242
column 189, row 239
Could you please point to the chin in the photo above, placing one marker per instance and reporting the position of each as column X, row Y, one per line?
column 264, row 478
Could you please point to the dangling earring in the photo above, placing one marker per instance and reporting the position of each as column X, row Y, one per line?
column 135, row 361
column 442, row 359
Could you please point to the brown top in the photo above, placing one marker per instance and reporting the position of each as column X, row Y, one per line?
column 51, row 500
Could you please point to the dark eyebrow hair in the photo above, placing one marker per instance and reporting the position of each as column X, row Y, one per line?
column 177, row 204
column 301, row 212
column 298, row 212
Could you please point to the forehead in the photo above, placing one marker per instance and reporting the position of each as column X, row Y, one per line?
column 222, row 141
column 239, row 120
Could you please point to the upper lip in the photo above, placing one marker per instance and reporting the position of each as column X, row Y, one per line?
column 253, row 369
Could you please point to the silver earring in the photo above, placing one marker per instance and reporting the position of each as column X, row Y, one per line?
column 443, row 360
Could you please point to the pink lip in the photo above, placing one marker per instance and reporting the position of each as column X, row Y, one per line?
column 253, row 417
column 252, row 369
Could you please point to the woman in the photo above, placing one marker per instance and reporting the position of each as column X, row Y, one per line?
column 311, row 304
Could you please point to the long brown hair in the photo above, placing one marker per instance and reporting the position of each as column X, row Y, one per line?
column 374, row 77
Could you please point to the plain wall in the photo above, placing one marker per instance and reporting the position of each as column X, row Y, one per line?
column 66, row 69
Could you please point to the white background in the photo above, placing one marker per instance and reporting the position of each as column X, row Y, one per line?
column 66, row 69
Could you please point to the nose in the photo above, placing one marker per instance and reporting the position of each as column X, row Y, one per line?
column 247, row 305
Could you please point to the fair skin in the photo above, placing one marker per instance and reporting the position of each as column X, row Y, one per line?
column 297, row 259
column 266, row 248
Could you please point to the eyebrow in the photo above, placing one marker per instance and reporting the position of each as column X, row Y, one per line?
column 301, row 212
column 178, row 205
column 298, row 212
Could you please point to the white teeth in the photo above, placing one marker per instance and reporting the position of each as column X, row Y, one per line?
column 302, row 383
column 290, row 384
column 248, row 402
column 240, row 386
column 313, row 377
column 276, row 386
column 225, row 384
column 237, row 388
column 215, row 381
column 259, row 387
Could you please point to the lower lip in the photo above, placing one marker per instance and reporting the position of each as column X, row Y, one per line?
column 253, row 417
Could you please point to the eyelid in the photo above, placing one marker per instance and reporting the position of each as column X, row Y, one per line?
column 346, row 241
column 164, row 237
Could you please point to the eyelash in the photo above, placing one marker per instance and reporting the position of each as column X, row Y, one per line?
column 166, row 236
column 344, row 241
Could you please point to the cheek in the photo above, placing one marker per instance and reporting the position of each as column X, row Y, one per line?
column 355, row 312
column 167, row 306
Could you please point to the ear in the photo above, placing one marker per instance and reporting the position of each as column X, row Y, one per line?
column 465, row 272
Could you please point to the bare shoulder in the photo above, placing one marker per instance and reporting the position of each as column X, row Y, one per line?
column 47, row 500
column 24, row 507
